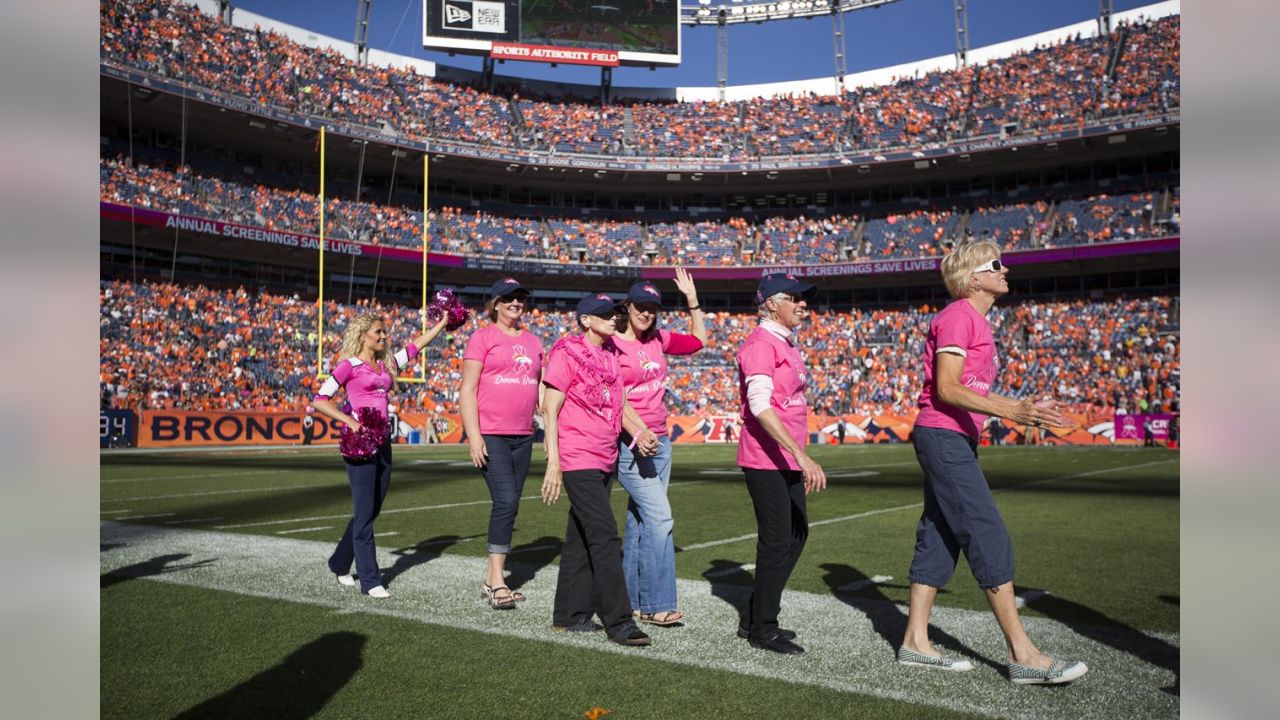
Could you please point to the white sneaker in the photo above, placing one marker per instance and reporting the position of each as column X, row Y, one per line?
column 347, row 580
column 379, row 592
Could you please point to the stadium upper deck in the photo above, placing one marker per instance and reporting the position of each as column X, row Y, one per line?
column 1064, row 88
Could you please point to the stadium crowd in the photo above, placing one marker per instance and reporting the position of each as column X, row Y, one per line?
column 198, row 348
column 1052, row 87
column 776, row 240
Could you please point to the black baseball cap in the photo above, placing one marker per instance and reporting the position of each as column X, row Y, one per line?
column 507, row 286
column 644, row 292
column 779, row 282
column 598, row 304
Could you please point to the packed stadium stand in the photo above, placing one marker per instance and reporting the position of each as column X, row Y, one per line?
column 1079, row 81
column 197, row 348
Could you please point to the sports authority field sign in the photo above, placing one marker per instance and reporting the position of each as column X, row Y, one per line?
column 548, row 53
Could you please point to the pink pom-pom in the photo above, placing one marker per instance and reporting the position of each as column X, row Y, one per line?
column 363, row 444
column 446, row 303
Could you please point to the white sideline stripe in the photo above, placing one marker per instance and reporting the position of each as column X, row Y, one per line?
column 1028, row 596
column 382, row 534
column 306, row 529
column 846, row 653
column 881, row 511
column 858, row 469
column 191, row 477
column 745, row 567
column 282, row 488
column 419, row 508
column 146, row 517
column 115, row 512
column 859, row 584
column 192, row 520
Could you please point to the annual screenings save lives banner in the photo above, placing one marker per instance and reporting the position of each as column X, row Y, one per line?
column 187, row 223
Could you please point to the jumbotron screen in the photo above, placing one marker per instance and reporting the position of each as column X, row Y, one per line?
column 628, row 32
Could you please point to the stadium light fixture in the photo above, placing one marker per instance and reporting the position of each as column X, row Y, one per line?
column 707, row 12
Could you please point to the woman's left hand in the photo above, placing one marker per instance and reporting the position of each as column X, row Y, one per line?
column 647, row 443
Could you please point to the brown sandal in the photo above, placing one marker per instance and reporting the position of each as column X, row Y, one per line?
column 505, row 602
column 666, row 618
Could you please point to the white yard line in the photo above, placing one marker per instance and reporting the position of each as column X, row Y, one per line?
column 848, row 650
column 306, row 529
column 282, row 488
column 188, row 521
column 192, row 477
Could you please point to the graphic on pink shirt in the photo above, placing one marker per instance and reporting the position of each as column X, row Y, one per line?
column 524, row 363
column 648, row 365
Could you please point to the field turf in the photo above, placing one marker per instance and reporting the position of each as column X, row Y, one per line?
column 216, row 601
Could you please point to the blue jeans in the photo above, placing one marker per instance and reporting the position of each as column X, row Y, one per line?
column 648, row 546
column 504, row 473
column 369, row 479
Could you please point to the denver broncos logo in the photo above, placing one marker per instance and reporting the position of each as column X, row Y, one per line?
column 651, row 290
column 524, row 364
column 647, row 364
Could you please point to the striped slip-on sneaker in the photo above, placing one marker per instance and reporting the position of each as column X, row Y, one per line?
column 1059, row 671
column 911, row 657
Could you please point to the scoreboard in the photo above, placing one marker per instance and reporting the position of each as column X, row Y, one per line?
column 581, row 32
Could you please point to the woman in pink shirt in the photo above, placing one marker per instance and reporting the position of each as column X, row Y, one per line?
column 501, row 368
column 583, row 409
column 648, row 545
column 367, row 372
column 771, row 452
column 960, row 514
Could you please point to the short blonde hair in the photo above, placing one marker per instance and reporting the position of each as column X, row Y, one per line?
column 958, row 265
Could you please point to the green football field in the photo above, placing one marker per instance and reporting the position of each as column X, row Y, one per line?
column 216, row 600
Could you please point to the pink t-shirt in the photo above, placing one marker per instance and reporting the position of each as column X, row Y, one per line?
column 366, row 386
column 644, row 373
column 508, row 389
column 764, row 353
column 591, row 417
column 962, row 329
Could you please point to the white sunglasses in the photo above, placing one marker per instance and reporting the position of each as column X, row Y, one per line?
column 992, row 265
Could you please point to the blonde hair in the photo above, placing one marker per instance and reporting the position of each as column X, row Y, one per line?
column 353, row 342
column 491, row 308
column 958, row 265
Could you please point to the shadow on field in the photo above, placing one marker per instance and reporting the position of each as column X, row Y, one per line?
column 732, row 584
column 420, row 554
column 1096, row 626
column 528, row 559
column 155, row 566
column 888, row 621
column 296, row 689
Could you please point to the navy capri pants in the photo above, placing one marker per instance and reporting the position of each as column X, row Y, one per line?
column 960, row 515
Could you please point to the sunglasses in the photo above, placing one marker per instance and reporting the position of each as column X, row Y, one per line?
column 513, row 298
column 793, row 297
column 992, row 265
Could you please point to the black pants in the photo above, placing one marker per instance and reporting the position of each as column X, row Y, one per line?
column 782, row 523
column 591, row 561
